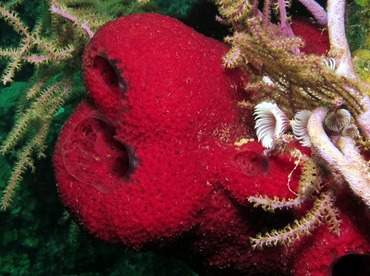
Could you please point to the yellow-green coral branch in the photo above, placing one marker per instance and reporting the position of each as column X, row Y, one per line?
column 21, row 54
column 39, row 113
column 13, row 19
column 24, row 161
column 271, row 204
column 323, row 210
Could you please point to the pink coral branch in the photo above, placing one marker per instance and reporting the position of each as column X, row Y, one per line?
column 70, row 17
column 266, row 14
column 284, row 25
column 316, row 10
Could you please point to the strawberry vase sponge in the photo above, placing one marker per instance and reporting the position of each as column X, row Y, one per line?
column 150, row 159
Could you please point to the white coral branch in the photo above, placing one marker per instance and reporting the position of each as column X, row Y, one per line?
column 337, row 36
column 346, row 158
column 316, row 10
column 339, row 49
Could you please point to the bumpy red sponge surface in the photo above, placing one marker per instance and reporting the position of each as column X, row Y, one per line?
column 129, row 165
column 149, row 159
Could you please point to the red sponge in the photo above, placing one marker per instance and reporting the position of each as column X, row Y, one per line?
column 149, row 160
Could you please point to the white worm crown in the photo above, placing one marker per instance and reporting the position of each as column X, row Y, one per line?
column 271, row 123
